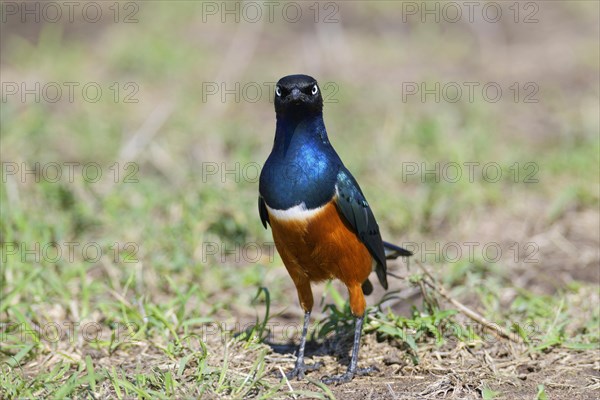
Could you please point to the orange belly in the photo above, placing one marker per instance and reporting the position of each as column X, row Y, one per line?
column 320, row 248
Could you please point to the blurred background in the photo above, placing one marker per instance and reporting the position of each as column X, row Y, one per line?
column 463, row 123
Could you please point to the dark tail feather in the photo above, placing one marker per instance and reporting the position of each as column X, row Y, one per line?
column 392, row 251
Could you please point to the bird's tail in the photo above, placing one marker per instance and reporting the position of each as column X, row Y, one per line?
column 392, row 251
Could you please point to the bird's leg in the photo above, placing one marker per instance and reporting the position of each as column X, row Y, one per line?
column 352, row 370
column 300, row 368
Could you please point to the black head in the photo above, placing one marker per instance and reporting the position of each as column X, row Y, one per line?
column 298, row 95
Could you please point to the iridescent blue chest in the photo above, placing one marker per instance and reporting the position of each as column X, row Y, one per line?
column 302, row 167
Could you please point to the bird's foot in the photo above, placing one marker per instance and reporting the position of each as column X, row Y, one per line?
column 301, row 368
column 349, row 375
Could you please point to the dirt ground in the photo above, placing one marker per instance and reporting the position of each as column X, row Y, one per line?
column 456, row 370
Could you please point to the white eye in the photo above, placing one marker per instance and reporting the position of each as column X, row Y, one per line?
column 315, row 89
column 277, row 91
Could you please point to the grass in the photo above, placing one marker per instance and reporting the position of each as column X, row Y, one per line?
column 158, row 280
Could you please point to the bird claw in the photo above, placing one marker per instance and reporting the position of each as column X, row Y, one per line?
column 367, row 371
column 300, row 369
column 349, row 375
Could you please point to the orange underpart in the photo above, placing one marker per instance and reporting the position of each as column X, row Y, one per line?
column 323, row 247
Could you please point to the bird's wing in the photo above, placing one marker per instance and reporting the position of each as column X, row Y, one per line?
column 353, row 206
column 262, row 210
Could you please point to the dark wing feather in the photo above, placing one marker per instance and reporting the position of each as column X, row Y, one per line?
column 354, row 207
column 262, row 210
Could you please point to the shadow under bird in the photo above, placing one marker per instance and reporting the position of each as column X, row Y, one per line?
column 322, row 225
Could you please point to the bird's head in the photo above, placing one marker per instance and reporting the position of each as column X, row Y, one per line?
column 298, row 95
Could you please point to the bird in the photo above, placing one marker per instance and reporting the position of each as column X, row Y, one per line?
column 322, row 225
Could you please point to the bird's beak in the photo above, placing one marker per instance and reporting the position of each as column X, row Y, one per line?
column 295, row 94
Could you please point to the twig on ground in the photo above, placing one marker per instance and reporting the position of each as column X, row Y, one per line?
column 431, row 282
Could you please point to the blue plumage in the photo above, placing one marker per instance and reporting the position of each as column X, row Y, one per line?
column 302, row 167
